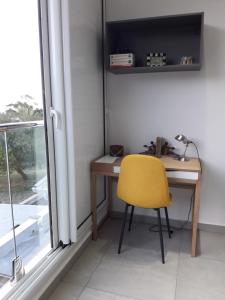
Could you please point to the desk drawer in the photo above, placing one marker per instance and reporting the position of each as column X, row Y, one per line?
column 171, row 174
column 182, row 175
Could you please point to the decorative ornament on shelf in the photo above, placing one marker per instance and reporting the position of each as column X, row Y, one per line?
column 186, row 60
column 156, row 59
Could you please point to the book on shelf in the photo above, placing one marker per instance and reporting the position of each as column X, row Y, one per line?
column 122, row 66
column 113, row 60
column 121, row 62
column 122, row 55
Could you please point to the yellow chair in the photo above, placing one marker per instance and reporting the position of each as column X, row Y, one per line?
column 143, row 183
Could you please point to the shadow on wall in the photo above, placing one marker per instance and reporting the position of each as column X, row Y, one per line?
column 213, row 191
column 214, row 52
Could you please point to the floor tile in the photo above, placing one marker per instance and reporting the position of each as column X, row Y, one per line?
column 185, row 246
column 212, row 245
column 91, row 294
column 110, row 230
column 139, row 257
column 141, row 237
column 82, row 269
column 200, row 279
column 66, row 291
column 209, row 244
column 137, row 273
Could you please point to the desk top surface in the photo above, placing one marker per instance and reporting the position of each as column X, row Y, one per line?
column 170, row 163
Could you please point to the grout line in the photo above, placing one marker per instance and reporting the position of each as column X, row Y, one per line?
column 110, row 243
column 201, row 257
column 81, row 292
column 112, row 293
column 178, row 265
column 98, row 264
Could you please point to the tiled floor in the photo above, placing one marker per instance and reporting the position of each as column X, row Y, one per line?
column 137, row 273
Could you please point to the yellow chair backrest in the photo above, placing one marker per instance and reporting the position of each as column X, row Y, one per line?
column 143, row 182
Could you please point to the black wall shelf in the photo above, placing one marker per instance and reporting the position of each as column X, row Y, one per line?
column 167, row 68
column 178, row 35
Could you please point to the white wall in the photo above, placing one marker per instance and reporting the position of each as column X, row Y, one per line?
column 144, row 106
column 86, row 69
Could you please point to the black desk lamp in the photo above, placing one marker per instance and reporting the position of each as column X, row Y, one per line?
column 182, row 138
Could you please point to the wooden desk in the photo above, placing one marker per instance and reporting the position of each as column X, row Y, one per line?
column 180, row 174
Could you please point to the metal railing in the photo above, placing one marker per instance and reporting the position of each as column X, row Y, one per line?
column 16, row 125
column 17, row 264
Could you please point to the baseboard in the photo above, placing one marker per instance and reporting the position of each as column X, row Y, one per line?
column 212, row 228
column 87, row 225
column 173, row 222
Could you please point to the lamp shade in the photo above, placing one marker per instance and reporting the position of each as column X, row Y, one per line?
column 182, row 138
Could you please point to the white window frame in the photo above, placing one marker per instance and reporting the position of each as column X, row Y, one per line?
column 54, row 18
column 59, row 52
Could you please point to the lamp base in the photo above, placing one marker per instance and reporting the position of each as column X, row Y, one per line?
column 183, row 158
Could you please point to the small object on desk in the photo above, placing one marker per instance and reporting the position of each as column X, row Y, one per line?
column 116, row 150
column 151, row 148
column 168, row 150
column 182, row 138
column 107, row 159
column 159, row 148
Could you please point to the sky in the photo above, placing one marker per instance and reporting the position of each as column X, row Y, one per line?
column 20, row 72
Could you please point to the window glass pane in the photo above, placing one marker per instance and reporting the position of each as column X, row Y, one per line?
column 21, row 102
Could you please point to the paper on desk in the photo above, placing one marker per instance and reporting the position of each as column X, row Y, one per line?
column 107, row 159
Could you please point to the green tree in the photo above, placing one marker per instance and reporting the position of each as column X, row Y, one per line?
column 21, row 147
column 22, row 111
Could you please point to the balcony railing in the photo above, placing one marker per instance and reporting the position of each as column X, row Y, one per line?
column 16, row 125
column 24, row 210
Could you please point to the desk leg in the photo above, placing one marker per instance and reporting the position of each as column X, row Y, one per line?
column 195, row 215
column 94, row 207
column 110, row 196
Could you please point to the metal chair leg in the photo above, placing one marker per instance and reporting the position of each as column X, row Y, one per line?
column 161, row 236
column 131, row 217
column 168, row 222
column 123, row 227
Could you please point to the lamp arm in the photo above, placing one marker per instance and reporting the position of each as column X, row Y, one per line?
column 198, row 155
column 185, row 149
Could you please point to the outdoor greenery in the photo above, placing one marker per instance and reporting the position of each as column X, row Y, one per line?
column 26, row 146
